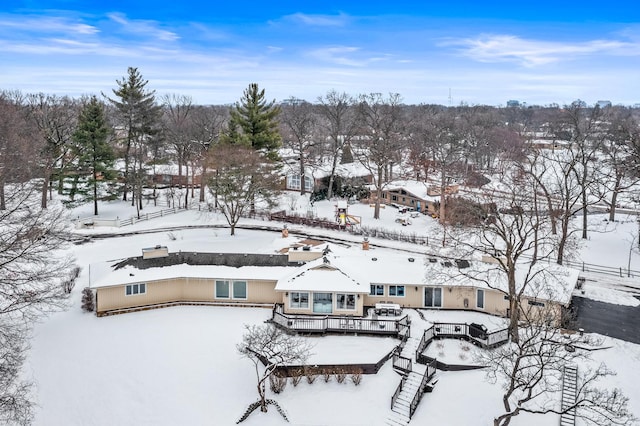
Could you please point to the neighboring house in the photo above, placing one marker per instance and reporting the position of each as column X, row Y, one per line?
column 416, row 195
column 315, row 177
column 309, row 277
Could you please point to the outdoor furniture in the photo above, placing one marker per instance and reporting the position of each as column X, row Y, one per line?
column 388, row 309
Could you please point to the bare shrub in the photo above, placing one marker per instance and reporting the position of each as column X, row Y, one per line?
column 277, row 383
column 341, row 375
column 326, row 375
column 310, row 375
column 356, row 376
column 296, row 376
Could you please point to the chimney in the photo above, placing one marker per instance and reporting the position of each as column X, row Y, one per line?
column 365, row 243
column 285, row 232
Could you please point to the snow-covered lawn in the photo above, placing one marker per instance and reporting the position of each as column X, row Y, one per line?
column 180, row 366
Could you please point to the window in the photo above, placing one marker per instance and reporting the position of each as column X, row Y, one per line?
column 433, row 297
column 396, row 290
column 239, row 289
column 136, row 289
column 535, row 303
column 231, row 289
column 346, row 301
column 293, row 181
column 394, row 198
column 299, row 300
column 480, row 299
column 376, row 290
column 323, row 303
column 222, row 289
column 308, row 184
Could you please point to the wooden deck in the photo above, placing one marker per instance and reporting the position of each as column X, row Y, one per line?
column 323, row 324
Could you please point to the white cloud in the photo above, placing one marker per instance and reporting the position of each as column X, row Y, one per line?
column 318, row 20
column 531, row 53
column 143, row 27
column 38, row 24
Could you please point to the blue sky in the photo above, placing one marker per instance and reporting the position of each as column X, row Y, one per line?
column 540, row 52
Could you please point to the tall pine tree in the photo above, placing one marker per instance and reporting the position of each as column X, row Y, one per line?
column 254, row 122
column 94, row 154
column 139, row 117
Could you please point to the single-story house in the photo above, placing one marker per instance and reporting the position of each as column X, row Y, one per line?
column 315, row 278
column 411, row 193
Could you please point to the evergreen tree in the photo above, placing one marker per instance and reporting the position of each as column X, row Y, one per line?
column 139, row 116
column 88, row 303
column 257, row 120
column 95, row 156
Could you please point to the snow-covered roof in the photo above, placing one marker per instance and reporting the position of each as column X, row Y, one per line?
column 417, row 188
column 129, row 274
column 320, row 276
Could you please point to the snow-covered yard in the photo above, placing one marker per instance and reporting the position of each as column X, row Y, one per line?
column 180, row 366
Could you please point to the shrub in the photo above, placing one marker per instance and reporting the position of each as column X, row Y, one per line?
column 341, row 375
column 276, row 383
column 88, row 304
column 296, row 376
column 356, row 376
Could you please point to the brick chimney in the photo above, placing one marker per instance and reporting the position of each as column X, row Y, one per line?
column 285, row 232
column 365, row 243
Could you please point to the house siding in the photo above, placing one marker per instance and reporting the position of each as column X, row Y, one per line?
column 182, row 290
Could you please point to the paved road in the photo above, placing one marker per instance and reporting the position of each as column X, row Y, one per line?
column 621, row 322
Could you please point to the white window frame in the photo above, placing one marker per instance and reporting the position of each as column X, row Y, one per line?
column 433, row 297
column 233, row 289
column 298, row 304
column 308, row 184
column 230, row 285
column 346, row 296
column 293, row 181
column 226, row 283
column 135, row 289
column 395, row 290
column 480, row 298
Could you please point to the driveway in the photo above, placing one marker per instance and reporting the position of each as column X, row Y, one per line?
column 619, row 321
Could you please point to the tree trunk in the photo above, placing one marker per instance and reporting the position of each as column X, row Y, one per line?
column 584, row 215
column 95, row 192
column 3, row 205
column 614, row 200
column 376, row 210
column 45, row 187
column 334, row 164
column 302, row 188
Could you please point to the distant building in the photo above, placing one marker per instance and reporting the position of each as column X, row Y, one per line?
column 603, row 104
column 513, row 103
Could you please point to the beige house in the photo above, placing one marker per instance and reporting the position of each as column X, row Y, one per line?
column 313, row 278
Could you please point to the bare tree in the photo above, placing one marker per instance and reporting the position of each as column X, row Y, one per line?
column 243, row 177
column 531, row 370
column 298, row 124
column 269, row 347
column 381, row 122
column 338, row 126
column 55, row 119
column 208, row 124
column 32, row 277
column 622, row 171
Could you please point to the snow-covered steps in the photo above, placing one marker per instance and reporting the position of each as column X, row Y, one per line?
column 401, row 410
column 569, row 393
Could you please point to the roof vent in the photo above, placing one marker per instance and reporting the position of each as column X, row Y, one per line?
column 306, row 248
column 462, row 263
column 374, row 258
column 447, row 264
column 432, row 260
column 411, row 259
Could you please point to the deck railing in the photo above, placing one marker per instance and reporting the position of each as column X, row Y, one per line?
column 400, row 362
column 426, row 377
column 398, row 391
column 340, row 324
column 454, row 330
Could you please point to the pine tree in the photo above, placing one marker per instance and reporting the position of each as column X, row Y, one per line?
column 139, row 117
column 257, row 121
column 88, row 304
column 95, row 156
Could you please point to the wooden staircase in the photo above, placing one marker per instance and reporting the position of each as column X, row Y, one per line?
column 569, row 393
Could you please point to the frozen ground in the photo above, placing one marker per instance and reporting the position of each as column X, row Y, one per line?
column 179, row 365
